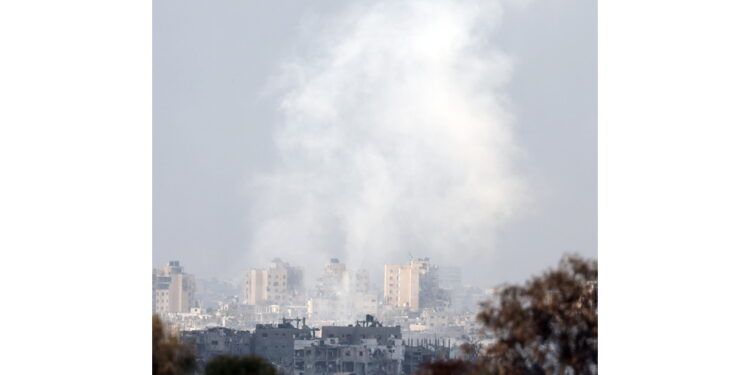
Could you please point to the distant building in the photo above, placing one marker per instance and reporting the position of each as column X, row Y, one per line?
column 431, row 319
column 172, row 290
column 414, row 286
column 367, row 329
column 256, row 287
column 401, row 285
column 342, row 308
column 323, row 309
column 335, row 280
column 279, row 284
column 341, row 294
column 331, row 281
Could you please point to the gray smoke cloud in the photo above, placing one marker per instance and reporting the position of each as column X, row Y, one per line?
column 397, row 138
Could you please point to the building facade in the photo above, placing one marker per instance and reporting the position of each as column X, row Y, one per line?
column 411, row 286
column 279, row 284
column 331, row 281
column 275, row 342
column 172, row 290
column 331, row 356
column 364, row 348
column 216, row 341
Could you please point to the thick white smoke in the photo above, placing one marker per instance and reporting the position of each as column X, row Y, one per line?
column 396, row 139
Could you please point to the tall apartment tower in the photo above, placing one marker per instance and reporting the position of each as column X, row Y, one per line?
column 256, row 286
column 172, row 290
column 336, row 280
column 332, row 279
column 279, row 284
column 412, row 286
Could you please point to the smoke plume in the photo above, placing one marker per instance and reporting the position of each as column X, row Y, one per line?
column 396, row 140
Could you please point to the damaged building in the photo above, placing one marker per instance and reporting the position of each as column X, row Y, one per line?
column 217, row 341
column 364, row 348
column 275, row 342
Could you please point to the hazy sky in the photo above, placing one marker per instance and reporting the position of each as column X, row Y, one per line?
column 462, row 131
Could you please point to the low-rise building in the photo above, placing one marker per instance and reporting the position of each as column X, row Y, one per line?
column 332, row 356
column 275, row 342
column 217, row 341
column 364, row 348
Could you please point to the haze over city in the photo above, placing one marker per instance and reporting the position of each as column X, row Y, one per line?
column 291, row 131
column 375, row 187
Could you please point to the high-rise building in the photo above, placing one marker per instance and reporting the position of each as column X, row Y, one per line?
column 279, row 284
column 335, row 280
column 256, row 287
column 172, row 290
column 332, row 279
column 413, row 286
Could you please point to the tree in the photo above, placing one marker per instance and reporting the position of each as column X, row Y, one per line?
column 169, row 356
column 449, row 367
column 547, row 326
column 243, row 365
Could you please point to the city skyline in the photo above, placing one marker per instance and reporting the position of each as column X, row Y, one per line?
column 208, row 138
column 228, row 194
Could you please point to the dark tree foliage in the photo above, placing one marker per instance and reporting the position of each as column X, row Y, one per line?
column 169, row 356
column 449, row 367
column 244, row 365
column 547, row 326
